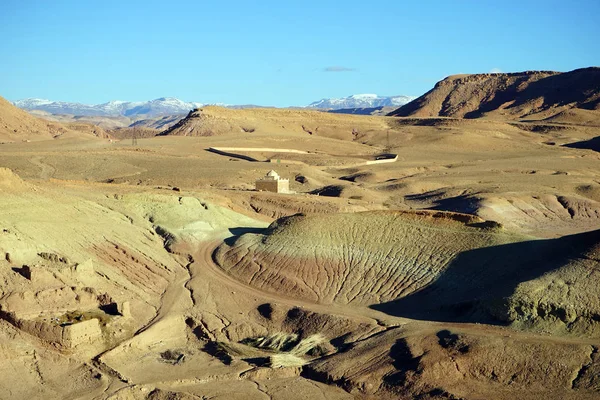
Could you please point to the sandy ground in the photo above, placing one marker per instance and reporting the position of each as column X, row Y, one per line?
column 150, row 217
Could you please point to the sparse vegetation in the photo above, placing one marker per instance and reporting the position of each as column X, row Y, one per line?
column 276, row 350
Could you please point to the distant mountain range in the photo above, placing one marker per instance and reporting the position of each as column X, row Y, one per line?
column 173, row 106
column 162, row 106
column 361, row 101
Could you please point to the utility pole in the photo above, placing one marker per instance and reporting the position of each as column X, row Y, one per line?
column 387, row 145
column 134, row 138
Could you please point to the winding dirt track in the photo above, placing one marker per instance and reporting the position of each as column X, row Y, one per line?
column 46, row 171
column 178, row 300
column 205, row 268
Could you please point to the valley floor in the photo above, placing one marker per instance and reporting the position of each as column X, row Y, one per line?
column 202, row 290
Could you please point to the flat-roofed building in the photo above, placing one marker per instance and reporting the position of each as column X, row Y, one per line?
column 272, row 182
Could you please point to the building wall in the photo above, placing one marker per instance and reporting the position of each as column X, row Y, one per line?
column 279, row 186
column 283, row 186
column 81, row 332
column 69, row 335
column 269, row 186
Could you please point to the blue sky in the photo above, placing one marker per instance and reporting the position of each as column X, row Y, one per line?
column 279, row 52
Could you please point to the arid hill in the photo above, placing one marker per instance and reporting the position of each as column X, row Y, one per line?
column 464, row 268
column 213, row 121
column 159, row 123
column 429, row 265
column 531, row 95
column 361, row 258
column 18, row 125
column 118, row 241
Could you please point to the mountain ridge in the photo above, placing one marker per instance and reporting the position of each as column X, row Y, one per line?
column 361, row 101
column 537, row 95
column 19, row 125
column 160, row 106
column 172, row 106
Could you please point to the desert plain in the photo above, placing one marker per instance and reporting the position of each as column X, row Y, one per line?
column 466, row 267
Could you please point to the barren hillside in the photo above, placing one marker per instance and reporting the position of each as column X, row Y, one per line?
column 335, row 304
column 149, row 270
column 326, row 259
column 16, row 124
column 442, row 266
column 532, row 94
column 211, row 121
column 19, row 125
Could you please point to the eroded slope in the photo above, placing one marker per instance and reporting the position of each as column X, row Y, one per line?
column 427, row 266
column 362, row 258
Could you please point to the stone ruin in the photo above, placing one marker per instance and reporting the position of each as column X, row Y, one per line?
column 67, row 316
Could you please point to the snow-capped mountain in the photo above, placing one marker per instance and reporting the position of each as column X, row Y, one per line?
column 173, row 106
column 57, row 107
column 31, row 103
column 361, row 101
column 162, row 106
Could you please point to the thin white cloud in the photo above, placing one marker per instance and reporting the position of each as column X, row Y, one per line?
column 495, row 71
column 337, row 68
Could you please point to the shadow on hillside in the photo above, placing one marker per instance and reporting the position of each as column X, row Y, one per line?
column 556, row 90
column 464, row 203
column 475, row 285
column 329, row 191
column 232, row 155
column 574, row 87
column 239, row 231
column 592, row 144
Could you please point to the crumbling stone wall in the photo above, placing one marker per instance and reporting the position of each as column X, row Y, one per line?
column 81, row 332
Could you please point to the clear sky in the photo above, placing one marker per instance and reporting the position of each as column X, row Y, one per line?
column 279, row 52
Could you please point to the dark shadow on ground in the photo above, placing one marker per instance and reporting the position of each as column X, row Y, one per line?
column 464, row 203
column 258, row 361
column 239, row 231
column 329, row 191
column 592, row 144
column 476, row 284
column 22, row 271
column 216, row 350
column 110, row 309
column 233, row 155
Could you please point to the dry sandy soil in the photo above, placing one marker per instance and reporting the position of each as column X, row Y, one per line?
column 467, row 269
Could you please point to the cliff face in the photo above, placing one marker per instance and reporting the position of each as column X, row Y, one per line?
column 531, row 94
